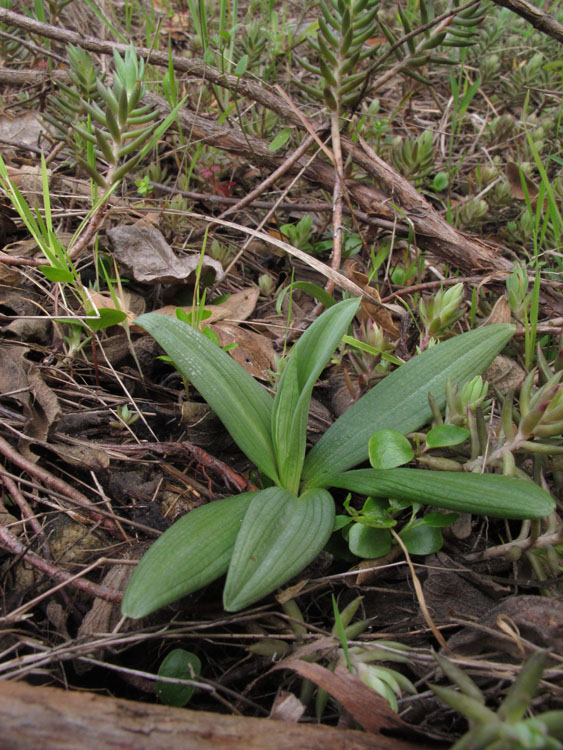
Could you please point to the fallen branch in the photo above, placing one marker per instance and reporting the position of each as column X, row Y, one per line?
column 50, row 719
column 539, row 19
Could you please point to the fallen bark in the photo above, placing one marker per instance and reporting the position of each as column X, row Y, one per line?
column 53, row 719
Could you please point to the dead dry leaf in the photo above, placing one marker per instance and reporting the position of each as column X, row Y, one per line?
column 146, row 256
column 515, row 183
column 21, row 380
column 501, row 312
column 131, row 304
column 287, row 707
column 238, row 306
column 505, row 374
column 23, row 130
column 254, row 352
column 370, row 310
column 538, row 619
column 29, row 248
column 29, row 181
column 81, row 456
column 366, row 706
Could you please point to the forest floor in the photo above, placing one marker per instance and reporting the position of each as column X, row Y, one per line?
column 448, row 218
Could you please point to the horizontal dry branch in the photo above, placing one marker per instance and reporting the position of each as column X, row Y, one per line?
column 539, row 19
column 53, row 719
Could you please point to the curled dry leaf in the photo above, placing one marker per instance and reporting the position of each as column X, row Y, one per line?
column 505, row 374
column 21, row 380
column 146, row 256
column 368, row 708
column 287, row 707
column 103, row 616
column 538, row 619
column 82, row 456
column 501, row 312
column 370, row 310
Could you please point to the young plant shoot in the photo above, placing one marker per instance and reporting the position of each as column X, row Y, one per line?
column 262, row 539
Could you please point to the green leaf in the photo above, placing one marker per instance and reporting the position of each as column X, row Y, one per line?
column 523, row 689
column 445, row 435
column 422, row 540
column 289, row 427
column 400, row 401
column 279, row 536
column 242, row 404
column 190, row 554
column 440, row 181
column 291, row 404
column 439, row 520
column 280, row 139
column 182, row 665
column 367, row 542
column 316, row 291
column 487, row 494
column 52, row 273
column 340, row 522
column 241, row 66
column 108, row 316
column 388, row 449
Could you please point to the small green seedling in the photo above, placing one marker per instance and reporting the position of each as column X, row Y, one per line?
column 179, row 665
column 261, row 539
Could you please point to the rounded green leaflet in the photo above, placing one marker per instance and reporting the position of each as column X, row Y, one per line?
column 367, row 542
column 182, row 665
column 388, row 449
column 421, row 539
column 445, row 435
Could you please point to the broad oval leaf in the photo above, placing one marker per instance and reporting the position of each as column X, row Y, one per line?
column 182, row 665
column 190, row 554
column 279, row 536
column 400, row 401
column 244, row 406
column 388, row 449
column 367, row 542
column 422, row 540
column 487, row 494
column 445, row 435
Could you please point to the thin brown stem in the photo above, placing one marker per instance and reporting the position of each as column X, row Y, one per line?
column 57, row 484
column 11, row 543
column 284, row 167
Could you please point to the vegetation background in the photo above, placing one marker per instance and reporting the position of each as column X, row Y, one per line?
column 251, row 163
